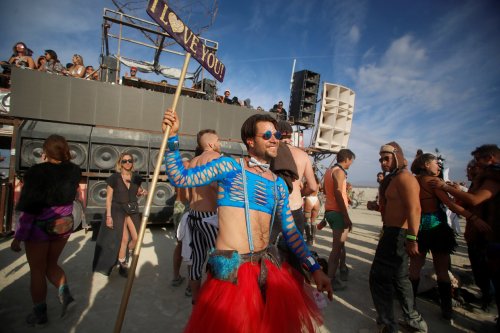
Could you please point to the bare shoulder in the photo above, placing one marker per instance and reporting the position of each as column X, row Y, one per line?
column 194, row 161
column 207, row 157
column 297, row 150
column 405, row 179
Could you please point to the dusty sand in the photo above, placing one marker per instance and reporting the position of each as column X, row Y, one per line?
column 155, row 306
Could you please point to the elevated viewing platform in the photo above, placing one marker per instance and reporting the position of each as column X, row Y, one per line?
column 42, row 96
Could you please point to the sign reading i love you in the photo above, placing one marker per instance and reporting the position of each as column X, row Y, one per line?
column 170, row 22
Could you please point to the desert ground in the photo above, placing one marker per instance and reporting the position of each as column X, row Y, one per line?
column 156, row 306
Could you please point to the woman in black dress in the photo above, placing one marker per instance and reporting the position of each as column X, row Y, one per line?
column 119, row 233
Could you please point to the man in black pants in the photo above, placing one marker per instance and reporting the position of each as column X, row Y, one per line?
column 400, row 208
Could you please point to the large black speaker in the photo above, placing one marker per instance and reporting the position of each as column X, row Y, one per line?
column 303, row 98
column 32, row 135
column 96, row 193
column 162, row 206
column 108, row 143
column 210, row 89
column 109, row 69
column 153, row 156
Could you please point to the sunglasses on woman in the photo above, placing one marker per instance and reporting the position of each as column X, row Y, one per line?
column 268, row 134
column 127, row 161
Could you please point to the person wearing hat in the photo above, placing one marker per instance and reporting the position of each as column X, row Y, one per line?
column 227, row 100
column 133, row 74
column 400, row 209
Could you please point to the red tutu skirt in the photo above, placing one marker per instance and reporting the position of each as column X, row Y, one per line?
column 226, row 307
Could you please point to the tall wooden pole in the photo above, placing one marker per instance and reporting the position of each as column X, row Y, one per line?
column 145, row 215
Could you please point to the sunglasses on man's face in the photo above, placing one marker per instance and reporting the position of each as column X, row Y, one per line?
column 127, row 161
column 268, row 134
column 384, row 159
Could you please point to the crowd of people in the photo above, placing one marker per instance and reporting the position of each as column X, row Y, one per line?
column 22, row 57
column 252, row 220
column 413, row 205
column 48, row 62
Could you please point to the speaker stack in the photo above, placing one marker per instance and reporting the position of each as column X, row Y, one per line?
column 209, row 87
column 303, row 98
column 97, row 150
column 33, row 133
column 335, row 120
column 106, row 145
column 162, row 205
column 109, row 69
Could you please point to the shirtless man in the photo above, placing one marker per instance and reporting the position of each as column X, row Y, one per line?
column 373, row 205
column 202, row 216
column 336, row 214
column 245, row 279
column 304, row 172
column 400, row 209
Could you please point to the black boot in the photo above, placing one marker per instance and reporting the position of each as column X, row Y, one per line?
column 414, row 285
column 39, row 315
column 65, row 299
column 445, row 297
column 309, row 236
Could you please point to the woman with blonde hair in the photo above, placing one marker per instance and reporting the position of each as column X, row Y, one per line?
column 78, row 69
column 46, row 222
column 118, row 236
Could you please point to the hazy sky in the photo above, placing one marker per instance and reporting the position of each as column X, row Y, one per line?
column 426, row 73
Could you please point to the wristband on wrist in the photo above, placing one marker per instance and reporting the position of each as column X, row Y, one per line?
column 411, row 237
column 173, row 143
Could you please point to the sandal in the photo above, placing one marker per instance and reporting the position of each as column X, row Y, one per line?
column 177, row 281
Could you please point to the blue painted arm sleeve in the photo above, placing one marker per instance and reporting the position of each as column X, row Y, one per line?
column 197, row 176
column 290, row 232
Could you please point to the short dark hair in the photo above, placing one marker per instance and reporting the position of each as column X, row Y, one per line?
column 249, row 127
column 284, row 127
column 488, row 150
column 202, row 133
column 345, row 154
column 56, row 147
